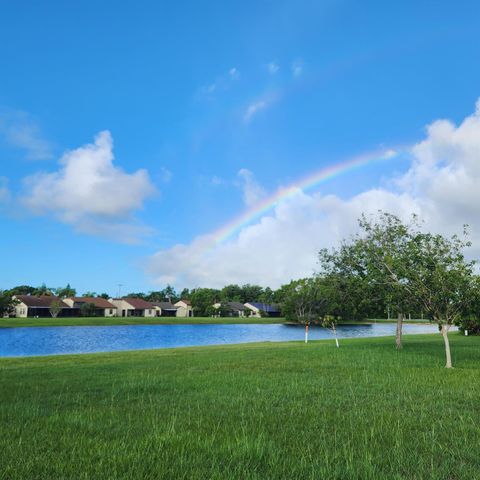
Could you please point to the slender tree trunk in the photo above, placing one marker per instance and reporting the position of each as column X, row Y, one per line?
column 445, row 329
column 398, row 334
column 336, row 338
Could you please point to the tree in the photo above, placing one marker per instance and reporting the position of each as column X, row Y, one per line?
column 65, row 292
column 7, row 303
column 88, row 310
column 42, row 290
column 23, row 290
column 363, row 264
column 55, row 308
column 89, row 294
column 303, row 301
column 232, row 293
column 202, row 300
column 421, row 270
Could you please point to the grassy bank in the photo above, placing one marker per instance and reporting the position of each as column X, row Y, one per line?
column 79, row 321
column 261, row 411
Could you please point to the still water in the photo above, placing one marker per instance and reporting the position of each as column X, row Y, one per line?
column 28, row 341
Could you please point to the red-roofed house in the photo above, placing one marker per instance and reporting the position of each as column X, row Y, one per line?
column 32, row 306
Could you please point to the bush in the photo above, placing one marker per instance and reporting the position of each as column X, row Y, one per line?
column 471, row 324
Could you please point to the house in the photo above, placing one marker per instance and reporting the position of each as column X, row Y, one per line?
column 32, row 306
column 103, row 308
column 256, row 308
column 165, row 309
column 133, row 307
column 184, row 308
column 231, row 309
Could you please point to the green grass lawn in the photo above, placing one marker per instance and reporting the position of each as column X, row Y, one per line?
column 66, row 321
column 265, row 411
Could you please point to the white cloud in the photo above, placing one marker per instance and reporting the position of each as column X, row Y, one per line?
column 253, row 109
column 272, row 68
column 441, row 186
column 21, row 131
column 297, row 68
column 90, row 193
column 253, row 192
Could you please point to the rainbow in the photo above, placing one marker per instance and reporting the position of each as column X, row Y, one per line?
column 305, row 183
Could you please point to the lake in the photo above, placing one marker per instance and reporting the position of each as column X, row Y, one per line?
column 29, row 341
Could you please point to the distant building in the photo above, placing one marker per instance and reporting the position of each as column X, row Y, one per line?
column 103, row 308
column 256, row 308
column 32, row 306
column 133, row 307
column 184, row 308
column 231, row 309
column 165, row 309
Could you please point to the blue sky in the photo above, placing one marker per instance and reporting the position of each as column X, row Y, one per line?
column 192, row 93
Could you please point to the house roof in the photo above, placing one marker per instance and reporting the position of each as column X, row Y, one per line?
column 236, row 306
column 138, row 303
column 43, row 301
column 99, row 302
column 187, row 302
column 164, row 305
column 265, row 307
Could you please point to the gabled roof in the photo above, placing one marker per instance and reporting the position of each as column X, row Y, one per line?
column 164, row 305
column 235, row 306
column 43, row 301
column 99, row 302
column 186, row 302
column 265, row 307
column 138, row 303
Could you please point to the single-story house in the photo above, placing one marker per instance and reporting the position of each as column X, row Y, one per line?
column 103, row 308
column 133, row 307
column 231, row 309
column 184, row 308
column 165, row 309
column 257, row 307
column 33, row 306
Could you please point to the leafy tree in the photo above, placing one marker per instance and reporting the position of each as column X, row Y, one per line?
column 42, row 290
column 89, row 294
column 303, row 301
column 106, row 296
column 362, row 267
column 202, row 300
column 55, row 308
column 136, row 295
column 167, row 294
column 23, row 290
column 232, row 293
column 65, row 292
column 251, row 293
column 88, row 310
column 267, row 296
column 419, row 269
column 185, row 294
column 7, row 303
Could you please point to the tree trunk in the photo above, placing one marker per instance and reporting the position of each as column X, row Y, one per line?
column 336, row 338
column 398, row 335
column 445, row 329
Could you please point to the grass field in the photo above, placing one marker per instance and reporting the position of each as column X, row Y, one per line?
column 66, row 321
column 266, row 411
